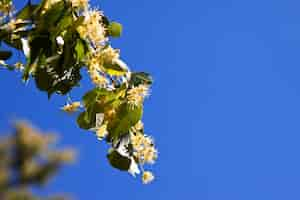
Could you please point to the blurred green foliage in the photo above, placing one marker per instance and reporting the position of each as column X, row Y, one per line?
column 27, row 161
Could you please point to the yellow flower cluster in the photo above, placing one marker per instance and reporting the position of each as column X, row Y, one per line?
column 96, row 61
column 71, row 108
column 136, row 95
column 143, row 150
column 82, row 4
column 92, row 27
column 143, row 145
column 101, row 132
column 101, row 56
column 97, row 78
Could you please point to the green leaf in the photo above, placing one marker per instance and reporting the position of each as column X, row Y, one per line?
column 115, row 29
column 4, row 55
column 102, row 96
column 127, row 116
column 83, row 121
column 15, row 41
column 140, row 78
column 66, row 21
column 42, row 79
column 90, row 97
column 53, row 14
column 114, row 70
column 87, row 119
column 97, row 101
column 26, row 12
column 118, row 161
column 79, row 21
column 80, row 49
column 40, row 44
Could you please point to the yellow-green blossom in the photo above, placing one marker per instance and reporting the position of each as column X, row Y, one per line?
column 101, row 132
column 80, row 3
column 71, row 108
column 92, row 27
column 147, row 177
column 137, row 94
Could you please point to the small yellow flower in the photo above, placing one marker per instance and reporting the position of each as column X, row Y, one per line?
column 143, row 147
column 149, row 155
column 80, row 3
column 92, row 27
column 102, row 132
column 138, row 126
column 109, row 54
column 97, row 59
column 147, row 177
column 71, row 108
column 137, row 94
column 136, row 140
column 19, row 66
column 98, row 79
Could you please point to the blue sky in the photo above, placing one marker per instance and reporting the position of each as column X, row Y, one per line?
column 224, row 110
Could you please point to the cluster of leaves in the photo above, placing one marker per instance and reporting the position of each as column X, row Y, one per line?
column 61, row 37
column 26, row 160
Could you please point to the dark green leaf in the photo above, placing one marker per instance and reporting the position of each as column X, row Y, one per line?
column 118, row 161
column 53, row 14
column 4, row 55
column 141, row 78
column 43, row 80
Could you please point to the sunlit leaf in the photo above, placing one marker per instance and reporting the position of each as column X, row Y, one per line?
column 126, row 117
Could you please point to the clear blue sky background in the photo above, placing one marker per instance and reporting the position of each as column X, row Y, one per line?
column 225, row 106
